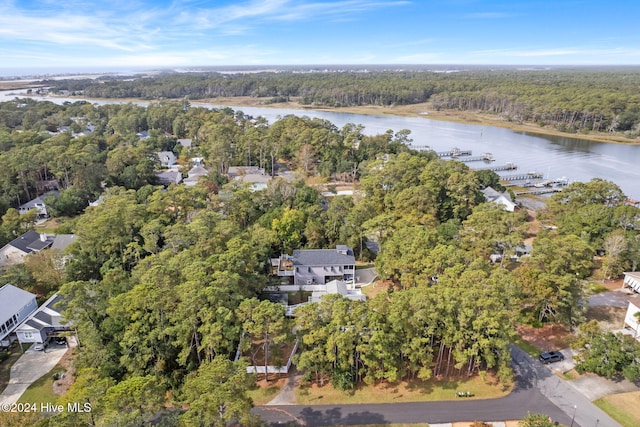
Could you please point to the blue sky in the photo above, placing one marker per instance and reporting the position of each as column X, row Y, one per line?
column 125, row 34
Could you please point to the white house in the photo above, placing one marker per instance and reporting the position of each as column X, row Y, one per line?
column 38, row 204
column 167, row 158
column 30, row 242
column 43, row 323
column 502, row 199
column 631, row 322
column 194, row 175
column 252, row 175
column 15, row 306
column 632, row 280
column 316, row 266
column 338, row 287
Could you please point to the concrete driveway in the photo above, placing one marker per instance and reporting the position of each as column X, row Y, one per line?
column 28, row 368
column 617, row 298
column 593, row 386
column 365, row 276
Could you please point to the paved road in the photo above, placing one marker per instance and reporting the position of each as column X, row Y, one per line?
column 535, row 390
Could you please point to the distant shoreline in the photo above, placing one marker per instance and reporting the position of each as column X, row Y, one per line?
column 424, row 110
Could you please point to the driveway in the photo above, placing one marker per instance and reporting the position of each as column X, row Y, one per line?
column 28, row 368
column 365, row 276
column 617, row 298
column 591, row 386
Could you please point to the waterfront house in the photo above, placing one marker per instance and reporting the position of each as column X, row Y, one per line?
column 502, row 199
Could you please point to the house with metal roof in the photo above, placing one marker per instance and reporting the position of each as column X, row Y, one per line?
column 44, row 323
column 316, row 266
column 30, row 242
column 16, row 305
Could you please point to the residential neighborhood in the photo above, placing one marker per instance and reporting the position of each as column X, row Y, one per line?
column 366, row 273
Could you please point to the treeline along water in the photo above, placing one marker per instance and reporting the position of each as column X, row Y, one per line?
column 553, row 156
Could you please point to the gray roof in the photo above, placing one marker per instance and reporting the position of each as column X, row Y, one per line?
column 38, row 245
column 322, row 257
column 48, row 314
column 61, row 241
column 38, row 200
column 57, row 303
column 168, row 176
column 26, row 241
column 198, row 171
column 44, row 317
column 12, row 299
column 185, row 142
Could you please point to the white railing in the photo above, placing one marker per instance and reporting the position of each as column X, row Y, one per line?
column 274, row 369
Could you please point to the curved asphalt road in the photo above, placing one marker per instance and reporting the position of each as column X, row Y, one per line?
column 536, row 390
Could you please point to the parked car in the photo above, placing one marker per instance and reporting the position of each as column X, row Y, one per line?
column 550, row 357
column 39, row 347
column 61, row 340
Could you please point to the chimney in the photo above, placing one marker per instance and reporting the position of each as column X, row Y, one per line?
column 43, row 237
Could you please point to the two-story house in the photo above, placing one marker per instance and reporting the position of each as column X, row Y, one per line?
column 44, row 323
column 30, row 242
column 15, row 306
column 316, row 266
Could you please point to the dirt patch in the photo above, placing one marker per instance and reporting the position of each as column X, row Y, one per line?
column 610, row 318
column 613, row 285
column 547, row 338
column 61, row 386
column 377, row 287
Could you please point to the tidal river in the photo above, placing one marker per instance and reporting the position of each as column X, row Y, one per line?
column 553, row 156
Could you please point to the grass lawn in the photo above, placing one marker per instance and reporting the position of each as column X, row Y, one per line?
column 529, row 348
column 263, row 394
column 5, row 366
column 42, row 390
column 362, row 265
column 593, row 288
column 623, row 407
column 415, row 391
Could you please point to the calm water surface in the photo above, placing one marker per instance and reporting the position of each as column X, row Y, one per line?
column 555, row 157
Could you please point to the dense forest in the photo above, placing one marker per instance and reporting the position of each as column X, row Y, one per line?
column 164, row 283
column 572, row 101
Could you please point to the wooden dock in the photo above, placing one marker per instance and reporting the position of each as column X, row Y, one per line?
column 485, row 157
column 538, row 191
column 454, row 152
column 521, row 177
column 505, row 167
